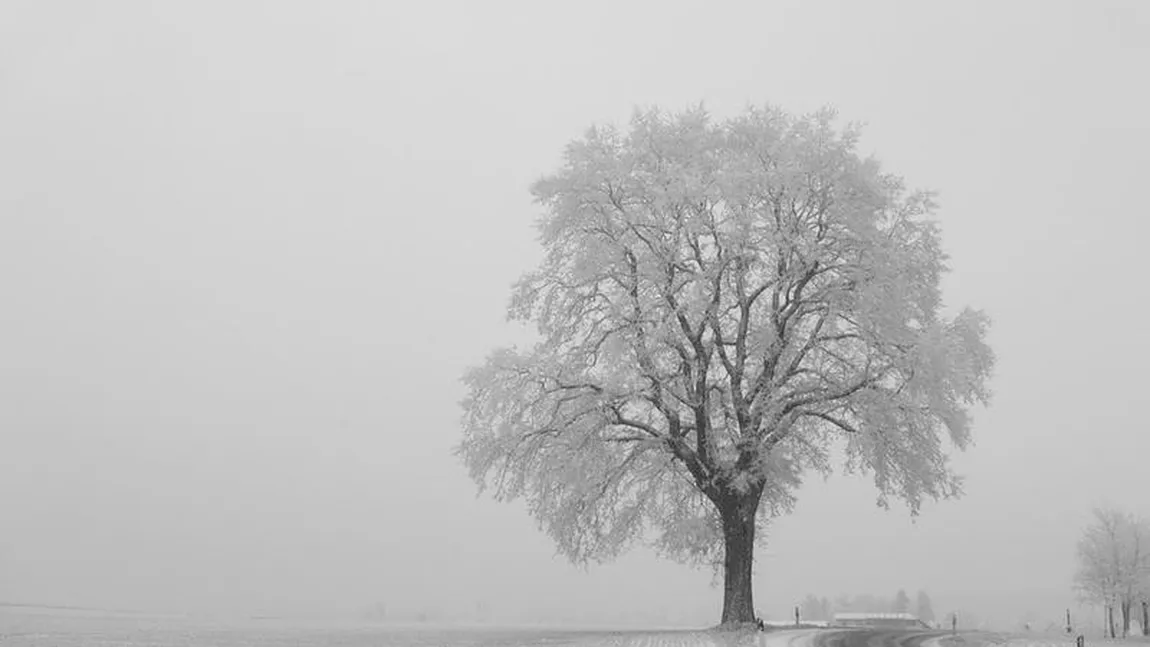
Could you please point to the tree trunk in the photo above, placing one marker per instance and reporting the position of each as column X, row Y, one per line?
column 1110, row 619
column 1145, row 618
column 1125, row 618
column 739, row 554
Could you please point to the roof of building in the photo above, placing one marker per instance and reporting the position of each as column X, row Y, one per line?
column 875, row 616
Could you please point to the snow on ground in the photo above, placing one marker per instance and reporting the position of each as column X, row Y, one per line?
column 982, row 640
column 797, row 638
column 1068, row 641
column 1058, row 640
column 70, row 630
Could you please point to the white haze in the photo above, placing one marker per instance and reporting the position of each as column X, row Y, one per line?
column 247, row 249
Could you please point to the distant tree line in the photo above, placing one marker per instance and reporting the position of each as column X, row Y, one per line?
column 822, row 609
column 1114, row 568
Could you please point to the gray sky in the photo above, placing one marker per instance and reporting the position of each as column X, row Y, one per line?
column 247, row 249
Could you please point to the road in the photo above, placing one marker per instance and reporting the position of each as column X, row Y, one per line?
column 874, row 638
column 895, row 638
column 838, row 637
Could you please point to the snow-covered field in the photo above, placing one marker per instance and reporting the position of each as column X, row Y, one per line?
column 45, row 630
column 1041, row 641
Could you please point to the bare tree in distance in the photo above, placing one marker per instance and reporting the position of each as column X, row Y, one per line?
column 720, row 304
column 901, row 602
column 843, row 604
column 1114, row 565
column 1137, row 554
column 863, row 603
column 924, row 609
column 1098, row 576
column 811, row 608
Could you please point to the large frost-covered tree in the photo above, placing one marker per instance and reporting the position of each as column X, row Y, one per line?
column 719, row 302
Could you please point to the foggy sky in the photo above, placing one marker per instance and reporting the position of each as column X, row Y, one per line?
column 247, row 249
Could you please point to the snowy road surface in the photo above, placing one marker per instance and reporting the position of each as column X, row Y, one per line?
column 875, row 638
column 800, row 638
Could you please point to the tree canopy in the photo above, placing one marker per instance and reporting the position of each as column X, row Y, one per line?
column 720, row 303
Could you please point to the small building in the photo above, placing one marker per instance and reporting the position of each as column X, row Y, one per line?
column 885, row 620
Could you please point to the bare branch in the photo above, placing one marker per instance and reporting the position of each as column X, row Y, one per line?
column 838, row 422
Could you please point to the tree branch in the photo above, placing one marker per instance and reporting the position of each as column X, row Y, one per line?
column 841, row 424
column 636, row 424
